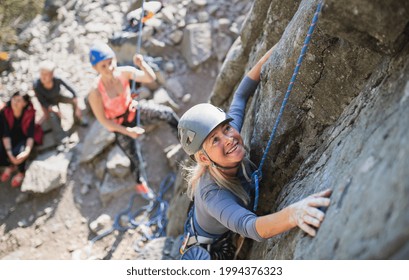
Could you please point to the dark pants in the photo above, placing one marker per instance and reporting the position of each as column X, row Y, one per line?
column 150, row 113
column 16, row 149
column 55, row 121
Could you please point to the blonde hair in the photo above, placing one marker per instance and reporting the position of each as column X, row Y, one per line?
column 230, row 183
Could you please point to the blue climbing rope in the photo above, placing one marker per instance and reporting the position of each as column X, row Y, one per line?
column 134, row 92
column 155, row 211
column 138, row 51
column 256, row 176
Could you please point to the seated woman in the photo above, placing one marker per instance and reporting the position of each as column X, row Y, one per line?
column 111, row 102
column 17, row 137
column 48, row 90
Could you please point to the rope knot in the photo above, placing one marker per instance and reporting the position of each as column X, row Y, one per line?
column 256, row 177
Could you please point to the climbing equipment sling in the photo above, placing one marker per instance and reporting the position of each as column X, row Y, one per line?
column 197, row 247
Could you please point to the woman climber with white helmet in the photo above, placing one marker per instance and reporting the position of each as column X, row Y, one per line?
column 220, row 183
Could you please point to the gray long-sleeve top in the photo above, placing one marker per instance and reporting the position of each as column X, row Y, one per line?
column 218, row 210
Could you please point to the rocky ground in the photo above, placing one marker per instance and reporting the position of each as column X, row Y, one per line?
column 59, row 222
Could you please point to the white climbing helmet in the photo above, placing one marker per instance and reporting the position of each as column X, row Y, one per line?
column 197, row 123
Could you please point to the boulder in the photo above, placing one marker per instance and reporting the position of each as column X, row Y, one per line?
column 47, row 172
column 96, row 140
column 118, row 164
column 197, row 44
column 113, row 187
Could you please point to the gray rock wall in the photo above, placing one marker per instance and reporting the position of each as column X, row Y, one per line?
column 345, row 125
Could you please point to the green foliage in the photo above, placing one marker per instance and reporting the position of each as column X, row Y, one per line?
column 13, row 12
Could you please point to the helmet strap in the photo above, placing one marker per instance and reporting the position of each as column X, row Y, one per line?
column 215, row 165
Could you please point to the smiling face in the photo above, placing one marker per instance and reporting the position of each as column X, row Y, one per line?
column 106, row 67
column 224, row 146
column 18, row 103
column 47, row 68
column 46, row 76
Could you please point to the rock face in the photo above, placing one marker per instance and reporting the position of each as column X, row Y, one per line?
column 98, row 180
column 345, row 125
column 97, row 139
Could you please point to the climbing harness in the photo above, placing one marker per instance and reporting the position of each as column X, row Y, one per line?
column 154, row 215
column 197, row 247
column 257, row 175
column 196, row 252
column 190, row 234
